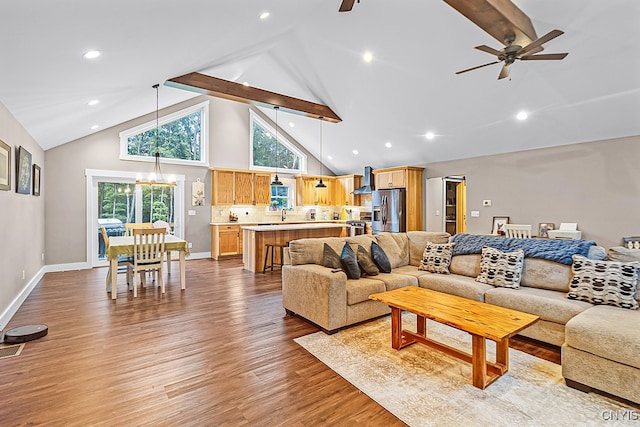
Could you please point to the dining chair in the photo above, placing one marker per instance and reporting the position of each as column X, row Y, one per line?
column 123, row 261
column 130, row 226
column 518, row 231
column 163, row 224
column 148, row 255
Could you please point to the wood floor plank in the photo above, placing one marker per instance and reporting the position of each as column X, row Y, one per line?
column 219, row 353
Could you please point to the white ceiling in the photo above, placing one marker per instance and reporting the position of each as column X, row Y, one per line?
column 306, row 49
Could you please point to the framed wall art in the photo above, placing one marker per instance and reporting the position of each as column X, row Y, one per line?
column 5, row 166
column 498, row 225
column 36, row 180
column 544, row 227
column 23, row 171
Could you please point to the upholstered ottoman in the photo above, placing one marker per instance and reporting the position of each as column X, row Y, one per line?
column 602, row 351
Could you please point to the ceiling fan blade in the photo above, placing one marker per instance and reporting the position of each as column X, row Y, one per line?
column 489, row 50
column 479, row 66
column 536, row 43
column 545, row 56
column 346, row 5
column 504, row 72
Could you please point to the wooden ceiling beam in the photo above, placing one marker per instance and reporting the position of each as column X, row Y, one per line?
column 499, row 18
column 226, row 89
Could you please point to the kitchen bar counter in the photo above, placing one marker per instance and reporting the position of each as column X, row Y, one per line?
column 278, row 222
column 255, row 237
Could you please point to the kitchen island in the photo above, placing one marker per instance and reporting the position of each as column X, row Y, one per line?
column 257, row 236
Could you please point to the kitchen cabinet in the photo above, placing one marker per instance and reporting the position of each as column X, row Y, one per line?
column 240, row 187
column 344, row 186
column 308, row 194
column 225, row 240
column 409, row 178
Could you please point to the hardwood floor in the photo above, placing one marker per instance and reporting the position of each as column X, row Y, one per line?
column 220, row 353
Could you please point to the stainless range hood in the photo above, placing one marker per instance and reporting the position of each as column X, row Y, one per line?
column 367, row 182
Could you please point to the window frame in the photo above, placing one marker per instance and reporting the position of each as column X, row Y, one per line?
column 202, row 107
column 255, row 117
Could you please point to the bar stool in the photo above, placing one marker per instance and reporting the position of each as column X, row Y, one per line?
column 272, row 247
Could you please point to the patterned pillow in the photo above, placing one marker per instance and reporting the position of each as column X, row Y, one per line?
column 604, row 282
column 499, row 268
column 436, row 257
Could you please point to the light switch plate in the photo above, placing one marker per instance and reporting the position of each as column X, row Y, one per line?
column 486, row 203
column 475, row 214
column 192, row 212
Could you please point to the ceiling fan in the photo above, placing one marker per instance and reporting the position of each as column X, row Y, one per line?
column 347, row 5
column 513, row 52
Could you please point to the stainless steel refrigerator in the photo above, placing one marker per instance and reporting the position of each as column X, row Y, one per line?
column 389, row 211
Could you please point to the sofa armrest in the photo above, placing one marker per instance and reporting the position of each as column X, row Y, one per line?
column 316, row 293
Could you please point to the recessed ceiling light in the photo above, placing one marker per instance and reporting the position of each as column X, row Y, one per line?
column 94, row 127
column 292, row 125
column 388, row 144
column 264, row 15
column 429, row 135
column 93, row 102
column 355, row 152
column 92, row 54
column 367, row 57
column 330, row 157
column 522, row 115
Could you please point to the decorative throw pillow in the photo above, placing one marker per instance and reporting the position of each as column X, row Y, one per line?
column 330, row 258
column 436, row 257
column 350, row 262
column 499, row 268
column 365, row 261
column 380, row 258
column 604, row 282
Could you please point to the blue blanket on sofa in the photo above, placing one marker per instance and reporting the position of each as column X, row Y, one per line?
column 553, row 250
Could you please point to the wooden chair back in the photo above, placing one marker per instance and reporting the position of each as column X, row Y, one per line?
column 130, row 226
column 518, row 231
column 105, row 236
column 148, row 246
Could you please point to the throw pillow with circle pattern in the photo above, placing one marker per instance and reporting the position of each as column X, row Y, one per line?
column 503, row 269
column 604, row 282
column 436, row 257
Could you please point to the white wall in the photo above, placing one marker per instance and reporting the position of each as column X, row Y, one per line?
column 21, row 222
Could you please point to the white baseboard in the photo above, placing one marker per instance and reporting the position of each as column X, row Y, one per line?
column 20, row 298
column 53, row 268
column 199, row 255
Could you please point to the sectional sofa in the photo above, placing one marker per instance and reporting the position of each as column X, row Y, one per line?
column 598, row 342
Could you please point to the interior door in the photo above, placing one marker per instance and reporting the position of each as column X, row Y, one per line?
column 461, row 208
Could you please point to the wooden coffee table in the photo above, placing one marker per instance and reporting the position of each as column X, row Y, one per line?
column 483, row 321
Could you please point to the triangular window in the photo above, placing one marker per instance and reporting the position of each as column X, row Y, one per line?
column 267, row 154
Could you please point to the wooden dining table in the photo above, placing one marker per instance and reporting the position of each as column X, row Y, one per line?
column 123, row 246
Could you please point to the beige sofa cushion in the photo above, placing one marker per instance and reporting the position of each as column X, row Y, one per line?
column 396, row 247
column 549, row 305
column 310, row 251
column 461, row 286
column 410, row 270
column 418, row 240
column 360, row 289
column 395, row 280
column 608, row 332
column 545, row 274
column 465, row 265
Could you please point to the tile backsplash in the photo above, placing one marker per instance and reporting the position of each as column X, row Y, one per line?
column 253, row 214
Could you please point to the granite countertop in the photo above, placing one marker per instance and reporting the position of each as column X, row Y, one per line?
column 285, row 226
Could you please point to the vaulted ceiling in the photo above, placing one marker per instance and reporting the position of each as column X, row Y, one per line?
column 308, row 50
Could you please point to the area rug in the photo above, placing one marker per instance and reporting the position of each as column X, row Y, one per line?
column 424, row 387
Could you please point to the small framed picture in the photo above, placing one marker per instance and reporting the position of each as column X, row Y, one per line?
column 23, row 171
column 498, row 225
column 544, row 227
column 5, row 166
column 36, row 180
column 631, row 242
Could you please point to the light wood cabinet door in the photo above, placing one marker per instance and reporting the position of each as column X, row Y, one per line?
column 390, row 179
column 229, row 240
column 262, row 189
column 343, row 188
column 243, row 188
column 222, row 183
